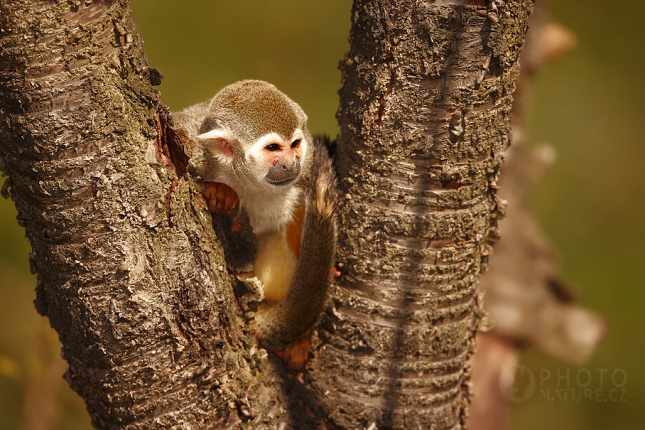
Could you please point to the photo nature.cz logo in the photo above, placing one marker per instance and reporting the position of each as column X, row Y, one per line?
column 518, row 384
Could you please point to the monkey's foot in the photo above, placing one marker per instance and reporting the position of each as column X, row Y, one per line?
column 296, row 355
column 220, row 197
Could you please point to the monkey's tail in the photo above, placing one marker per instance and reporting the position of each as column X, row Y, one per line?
column 290, row 319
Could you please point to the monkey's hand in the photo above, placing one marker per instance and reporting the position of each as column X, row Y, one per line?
column 220, row 197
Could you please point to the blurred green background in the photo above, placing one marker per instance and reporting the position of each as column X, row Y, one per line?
column 590, row 105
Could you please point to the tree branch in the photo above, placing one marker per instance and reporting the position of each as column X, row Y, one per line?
column 131, row 274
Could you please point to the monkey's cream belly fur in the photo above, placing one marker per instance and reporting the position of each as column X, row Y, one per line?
column 275, row 265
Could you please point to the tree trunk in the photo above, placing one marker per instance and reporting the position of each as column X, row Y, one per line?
column 132, row 276
column 130, row 273
column 526, row 300
column 425, row 119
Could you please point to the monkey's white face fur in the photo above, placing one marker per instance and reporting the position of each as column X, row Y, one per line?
column 271, row 160
column 280, row 160
column 265, row 176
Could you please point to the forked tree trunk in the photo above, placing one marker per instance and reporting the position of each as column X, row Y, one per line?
column 132, row 277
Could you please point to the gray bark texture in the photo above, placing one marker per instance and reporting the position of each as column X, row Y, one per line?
column 131, row 274
column 425, row 119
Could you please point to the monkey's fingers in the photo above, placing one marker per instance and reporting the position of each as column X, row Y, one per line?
column 210, row 193
column 231, row 200
column 220, row 197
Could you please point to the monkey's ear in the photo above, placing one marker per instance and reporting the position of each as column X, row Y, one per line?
column 219, row 141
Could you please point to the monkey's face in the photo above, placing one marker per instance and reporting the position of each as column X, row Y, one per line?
column 279, row 160
column 256, row 137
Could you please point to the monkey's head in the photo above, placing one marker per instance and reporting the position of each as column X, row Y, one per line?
column 257, row 131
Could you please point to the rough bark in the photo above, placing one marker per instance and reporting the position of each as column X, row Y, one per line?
column 132, row 277
column 525, row 296
column 130, row 273
column 425, row 118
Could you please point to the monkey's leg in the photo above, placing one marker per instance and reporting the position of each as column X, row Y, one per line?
column 275, row 266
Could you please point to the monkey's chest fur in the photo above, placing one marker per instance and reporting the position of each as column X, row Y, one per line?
column 275, row 211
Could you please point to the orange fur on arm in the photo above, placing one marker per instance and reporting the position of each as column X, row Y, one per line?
column 294, row 231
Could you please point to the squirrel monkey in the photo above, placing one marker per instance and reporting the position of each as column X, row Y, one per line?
column 254, row 149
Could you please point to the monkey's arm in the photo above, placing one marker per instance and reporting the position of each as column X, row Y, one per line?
column 290, row 319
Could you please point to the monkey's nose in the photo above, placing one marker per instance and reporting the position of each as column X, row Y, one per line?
column 283, row 172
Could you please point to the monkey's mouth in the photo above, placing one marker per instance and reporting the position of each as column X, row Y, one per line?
column 281, row 181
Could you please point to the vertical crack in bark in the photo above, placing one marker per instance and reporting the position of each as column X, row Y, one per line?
column 386, row 95
column 171, row 151
column 170, row 143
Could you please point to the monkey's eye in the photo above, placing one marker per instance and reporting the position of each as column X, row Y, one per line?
column 272, row 147
column 295, row 143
